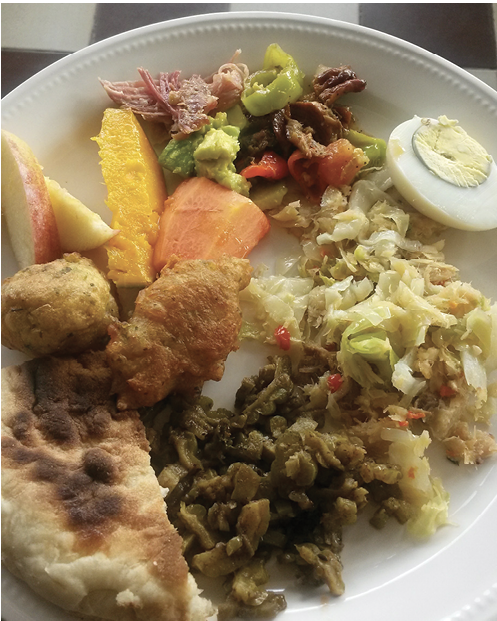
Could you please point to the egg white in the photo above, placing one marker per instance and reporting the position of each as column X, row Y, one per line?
column 471, row 208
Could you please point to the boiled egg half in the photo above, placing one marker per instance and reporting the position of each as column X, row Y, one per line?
column 444, row 173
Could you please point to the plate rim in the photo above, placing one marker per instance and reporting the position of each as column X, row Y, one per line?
column 410, row 49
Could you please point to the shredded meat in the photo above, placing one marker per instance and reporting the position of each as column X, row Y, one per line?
column 137, row 96
column 186, row 101
column 181, row 104
column 227, row 84
column 263, row 133
column 325, row 125
column 308, row 125
column 302, row 138
column 279, row 130
column 311, row 127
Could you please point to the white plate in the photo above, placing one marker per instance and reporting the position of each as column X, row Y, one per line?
column 453, row 576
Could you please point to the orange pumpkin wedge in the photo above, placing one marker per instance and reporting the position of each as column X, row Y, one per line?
column 136, row 195
column 204, row 220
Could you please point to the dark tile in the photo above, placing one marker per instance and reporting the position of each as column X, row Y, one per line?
column 111, row 19
column 19, row 65
column 461, row 33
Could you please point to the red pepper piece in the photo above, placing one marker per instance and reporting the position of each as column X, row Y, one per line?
column 447, row 391
column 415, row 415
column 282, row 337
column 270, row 166
column 334, row 382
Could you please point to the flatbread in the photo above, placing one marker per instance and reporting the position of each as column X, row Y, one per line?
column 83, row 517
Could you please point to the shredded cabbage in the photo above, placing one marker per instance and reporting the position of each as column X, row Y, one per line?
column 417, row 345
column 273, row 301
column 425, row 493
column 403, row 378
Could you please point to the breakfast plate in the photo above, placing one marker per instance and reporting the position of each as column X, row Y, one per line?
column 453, row 575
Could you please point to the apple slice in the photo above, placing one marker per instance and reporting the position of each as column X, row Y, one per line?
column 80, row 228
column 26, row 205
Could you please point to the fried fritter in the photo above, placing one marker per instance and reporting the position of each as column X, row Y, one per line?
column 61, row 307
column 183, row 328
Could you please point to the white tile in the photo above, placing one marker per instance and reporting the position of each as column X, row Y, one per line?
column 346, row 12
column 63, row 27
column 489, row 76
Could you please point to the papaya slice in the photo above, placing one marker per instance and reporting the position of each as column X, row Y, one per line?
column 204, row 220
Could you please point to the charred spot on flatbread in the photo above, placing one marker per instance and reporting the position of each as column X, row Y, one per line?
column 72, row 397
column 98, row 465
column 71, row 403
column 22, row 425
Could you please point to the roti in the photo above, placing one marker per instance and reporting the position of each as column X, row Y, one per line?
column 83, row 515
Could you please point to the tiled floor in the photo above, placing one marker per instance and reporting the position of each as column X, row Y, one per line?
column 36, row 34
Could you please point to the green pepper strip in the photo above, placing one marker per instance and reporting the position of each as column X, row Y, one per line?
column 374, row 148
column 278, row 84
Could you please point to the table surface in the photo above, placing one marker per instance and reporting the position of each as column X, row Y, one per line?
column 462, row 33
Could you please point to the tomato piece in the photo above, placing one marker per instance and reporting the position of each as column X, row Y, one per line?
column 415, row 415
column 447, row 391
column 334, row 382
column 338, row 166
column 305, row 171
column 282, row 336
column 270, row 166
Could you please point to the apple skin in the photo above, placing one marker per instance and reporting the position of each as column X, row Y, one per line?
column 26, row 205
